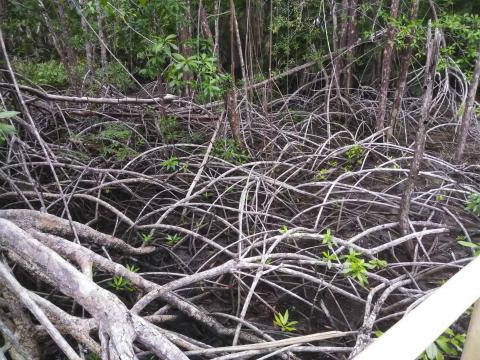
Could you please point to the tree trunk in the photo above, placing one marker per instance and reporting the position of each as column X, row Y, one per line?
column 216, row 44
column 184, row 36
column 351, row 39
column 88, row 44
column 467, row 112
column 101, row 36
column 402, row 77
column 386, row 67
column 232, row 96
column 430, row 68
column 202, row 18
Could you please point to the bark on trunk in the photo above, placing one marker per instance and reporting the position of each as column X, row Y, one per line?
column 433, row 47
column 351, row 39
column 102, row 38
column 402, row 77
column 467, row 112
column 88, row 44
column 386, row 68
column 232, row 96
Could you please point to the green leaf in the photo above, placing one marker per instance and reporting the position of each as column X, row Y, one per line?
column 469, row 244
column 432, row 352
column 8, row 114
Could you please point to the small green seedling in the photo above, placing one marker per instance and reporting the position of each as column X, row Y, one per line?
column 172, row 239
column 121, row 284
column 321, row 174
column 146, row 238
column 282, row 322
column 171, row 164
column 357, row 268
column 440, row 197
column 471, row 245
column 328, row 239
column 473, row 204
column 378, row 264
column 329, row 258
column 332, row 163
column 283, row 229
column 132, row 268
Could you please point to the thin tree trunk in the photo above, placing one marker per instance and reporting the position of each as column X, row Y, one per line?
column 71, row 56
column 351, row 39
column 386, row 68
column 184, row 36
column 467, row 112
column 216, row 45
column 88, row 44
column 402, row 77
column 103, row 40
column 232, row 97
column 433, row 47
column 239, row 41
column 341, row 40
column 204, row 22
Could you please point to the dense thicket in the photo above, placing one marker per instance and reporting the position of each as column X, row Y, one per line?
column 229, row 179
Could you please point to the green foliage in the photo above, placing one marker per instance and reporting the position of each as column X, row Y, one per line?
column 473, row 203
column 450, row 344
column 357, row 268
column 113, row 140
column 6, row 129
column 354, row 156
column 462, row 32
column 405, row 28
column 146, row 238
column 171, row 164
column 157, row 54
column 206, row 195
column 471, row 245
column 132, row 268
column 321, row 174
column 282, row 321
column 328, row 239
column 172, row 239
column 283, row 229
column 294, row 34
column 120, row 284
column 43, row 73
column 117, row 77
column 171, row 129
column 329, row 258
column 203, row 68
column 230, row 151
column 93, row 356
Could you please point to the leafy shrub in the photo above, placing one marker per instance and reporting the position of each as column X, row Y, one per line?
column 43, row 73
column 171, row 129
column 230, row 151
column 117, row 76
